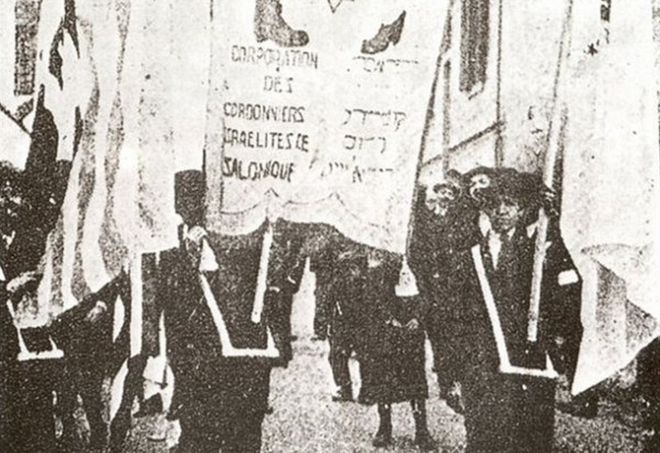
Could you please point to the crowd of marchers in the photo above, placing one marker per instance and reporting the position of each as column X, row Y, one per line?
column 472, row 254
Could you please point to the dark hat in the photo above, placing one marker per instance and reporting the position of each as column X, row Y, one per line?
column 488, row 172
column 526, row 188
column 477, row 185
column 190, row 196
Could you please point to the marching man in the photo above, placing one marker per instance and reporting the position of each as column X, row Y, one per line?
column 508, row 382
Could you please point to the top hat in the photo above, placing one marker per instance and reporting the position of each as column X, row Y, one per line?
column 190, row 196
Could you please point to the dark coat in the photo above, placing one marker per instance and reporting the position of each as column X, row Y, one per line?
column 339, row 269
column 9, row 339
column 511, row 286
column 90, row 342
column 392, row 358
column 220, row 386
column 285, row 270
column 435, row 240
column 511, row 412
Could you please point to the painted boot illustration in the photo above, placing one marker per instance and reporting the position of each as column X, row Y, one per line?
column 386, row 34
column 269, row 25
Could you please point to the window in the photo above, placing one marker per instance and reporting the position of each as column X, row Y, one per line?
column 475, row 28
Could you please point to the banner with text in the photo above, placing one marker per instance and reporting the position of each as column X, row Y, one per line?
column 322, row 105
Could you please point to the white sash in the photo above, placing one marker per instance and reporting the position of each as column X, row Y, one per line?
column 24, row 354
column 228, row 349
column 505, row 363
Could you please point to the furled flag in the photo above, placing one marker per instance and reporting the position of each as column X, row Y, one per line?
column 140, row 88
column 137, row 73
column 610, row 176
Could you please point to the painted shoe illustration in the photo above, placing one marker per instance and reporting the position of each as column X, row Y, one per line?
column 386, row 34
column 269, row 25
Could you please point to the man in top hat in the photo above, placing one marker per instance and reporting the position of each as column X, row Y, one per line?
column 222, row 346
column 505, row 410
column 231, row 343
column 189, row 202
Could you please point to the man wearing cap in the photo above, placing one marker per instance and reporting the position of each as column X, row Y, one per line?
column 508, row 384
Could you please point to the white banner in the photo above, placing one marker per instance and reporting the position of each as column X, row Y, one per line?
column 323, row 105
column 611, row 171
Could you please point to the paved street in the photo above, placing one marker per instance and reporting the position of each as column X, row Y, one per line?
column 306, row 420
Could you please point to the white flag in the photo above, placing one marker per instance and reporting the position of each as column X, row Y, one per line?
column 610, row 193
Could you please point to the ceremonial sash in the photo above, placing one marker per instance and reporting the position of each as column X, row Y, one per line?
column 503, row 354
column 228, row 349
column 24, row 353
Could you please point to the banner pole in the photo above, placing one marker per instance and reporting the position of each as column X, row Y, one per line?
column 407, row 286
column 425, row 133
column 262, row 275
column 549, row 163
column 135, row 317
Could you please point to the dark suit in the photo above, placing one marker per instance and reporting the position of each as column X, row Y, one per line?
column 26, row 388
column 225, row 381
column 339, row 298
column 510, row 412
column 87, row 352
column 8, row 352
column 392, row 359
column 434, row 241
column 648, row 375
column 285, row 269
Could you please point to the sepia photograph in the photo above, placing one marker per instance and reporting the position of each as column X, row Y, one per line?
column 329, row 226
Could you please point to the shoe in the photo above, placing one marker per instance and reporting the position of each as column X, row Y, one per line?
column 269, row 25
column 386, row 34
column 343, row 395
column 383, row 436
column 425, row 442
column 582, row 409
column 454, row 402
column 453, row 398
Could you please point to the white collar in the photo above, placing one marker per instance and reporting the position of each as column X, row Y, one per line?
column 484, row 224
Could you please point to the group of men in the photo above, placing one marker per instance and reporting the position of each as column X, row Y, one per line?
column 220, row 352
column 472, row 253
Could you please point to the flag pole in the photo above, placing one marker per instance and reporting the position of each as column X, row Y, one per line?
column 262, row 275
column 407, row 287
column 425, row 131
column 136, row 306
column 549, row 163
